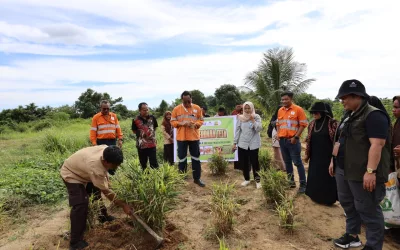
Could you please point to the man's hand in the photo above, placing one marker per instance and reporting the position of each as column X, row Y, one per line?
column 293, row 140
column 369, row 182
column 331, row 170
column 127, row 209
column 183, row 123
column 234, row 147
column 119, row 143
column 396, row 151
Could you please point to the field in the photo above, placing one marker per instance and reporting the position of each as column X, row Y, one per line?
column 34, row 211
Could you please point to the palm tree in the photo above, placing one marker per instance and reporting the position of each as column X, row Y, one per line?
column 277, row 72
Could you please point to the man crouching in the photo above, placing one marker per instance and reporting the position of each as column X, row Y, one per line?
column 89, row 165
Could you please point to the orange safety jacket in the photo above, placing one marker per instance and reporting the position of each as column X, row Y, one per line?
column 289, row 121
column 180, row 114
column 105, row 127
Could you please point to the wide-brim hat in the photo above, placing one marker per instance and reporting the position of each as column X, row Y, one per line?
column 352, row 87
column 318, row 107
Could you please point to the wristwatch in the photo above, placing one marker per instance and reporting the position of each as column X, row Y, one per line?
column 371, row 171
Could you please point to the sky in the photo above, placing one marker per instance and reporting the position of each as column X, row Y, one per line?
column 149, row 50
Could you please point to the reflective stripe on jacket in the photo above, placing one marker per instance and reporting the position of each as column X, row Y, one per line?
column 192, row 114
column 289, row 121
column 105, row 127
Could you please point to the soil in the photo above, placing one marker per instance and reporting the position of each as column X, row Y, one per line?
column 189, row 225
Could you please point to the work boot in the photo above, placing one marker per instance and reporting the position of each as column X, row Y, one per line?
column 292, row 184
column 79, row 245
column 107, row 218
column 302, row 188
column 200, row 183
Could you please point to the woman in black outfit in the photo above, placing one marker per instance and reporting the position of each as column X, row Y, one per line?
column 321, row 187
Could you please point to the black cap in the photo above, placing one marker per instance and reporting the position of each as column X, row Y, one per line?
column 352, row 87
column 318, row 107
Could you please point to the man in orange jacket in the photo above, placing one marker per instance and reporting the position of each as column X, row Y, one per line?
column 105, row 127
column 292, row 120
column 188, row 118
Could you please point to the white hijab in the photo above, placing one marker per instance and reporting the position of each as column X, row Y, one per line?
column 246, row 117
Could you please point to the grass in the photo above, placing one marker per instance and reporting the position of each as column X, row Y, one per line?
column 265, row 158
column 285, row 210
column 151, row 192
column 274, row 184
column 222, row 244
column 223, row 207
column 93, row 212
column 217, row 164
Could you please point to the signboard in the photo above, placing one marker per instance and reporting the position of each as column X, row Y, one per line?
column 216, row 135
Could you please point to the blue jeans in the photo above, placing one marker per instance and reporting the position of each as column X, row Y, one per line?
column 292, row 153
column 194, row 149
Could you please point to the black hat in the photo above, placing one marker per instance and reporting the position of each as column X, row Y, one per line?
column 318, row 107
column 352, row 87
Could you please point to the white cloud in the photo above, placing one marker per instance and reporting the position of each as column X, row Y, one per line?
column 133, row 80
column 349, row 39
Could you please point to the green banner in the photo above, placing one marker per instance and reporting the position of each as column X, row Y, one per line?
column 216, row 135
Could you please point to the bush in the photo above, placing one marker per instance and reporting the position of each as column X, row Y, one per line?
column 94, row 211
column 274, row 184
column 285, row 210
column 11, row 204
column 42, row 125
column 223, row 207
column 152, row 192
column 59, row 116
column 265, row 158
column 218, row 165
column 34, row 185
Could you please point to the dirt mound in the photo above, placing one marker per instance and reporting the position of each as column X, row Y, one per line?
column 122, row 234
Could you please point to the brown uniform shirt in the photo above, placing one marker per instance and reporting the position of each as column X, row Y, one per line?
column 85, row 166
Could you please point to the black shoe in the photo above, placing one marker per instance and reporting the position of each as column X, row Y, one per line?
column 292, row 184
column 79, row 245
column 200, row 183
column 367, row 248
column 107, row 218
column 302, row 188
column 347, row 241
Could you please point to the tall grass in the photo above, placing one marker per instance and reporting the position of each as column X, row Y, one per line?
column 94, row 211
column 265, row 158
column 152, row 192
column 285, row 210
column 222, row 244
column 62, row 143
column 217, row 164
column 223, row 207
column 274, row 185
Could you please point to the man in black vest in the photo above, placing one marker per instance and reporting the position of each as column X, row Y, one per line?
column 362, row 158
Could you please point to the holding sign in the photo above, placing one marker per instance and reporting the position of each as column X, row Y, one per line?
column 216, row 136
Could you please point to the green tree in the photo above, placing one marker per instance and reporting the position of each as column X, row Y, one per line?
column 198, row 97
column 305, row 100
column 228, row 96
column 276, row 73
column 121, row 110
column 88, row 103
column 211, row 101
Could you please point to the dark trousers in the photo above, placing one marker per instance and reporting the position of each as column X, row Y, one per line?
column 96, row 192
column 148, row 154
column 246, row 155
column 361, row 205
column 292, row 153
column 169, row 153
column 194, row 149
column 107, row 142
column 79, row 201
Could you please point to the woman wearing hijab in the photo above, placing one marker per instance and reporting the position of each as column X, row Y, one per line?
column 168, row 138
column 275, row 142
column 321, row 187
column 248, row 142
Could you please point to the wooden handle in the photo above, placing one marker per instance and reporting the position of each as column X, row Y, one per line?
column 159, row 240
